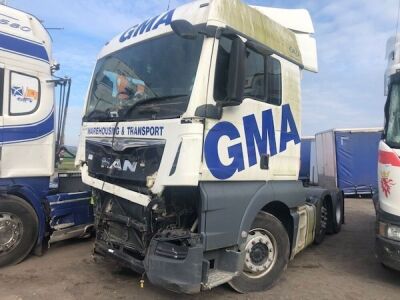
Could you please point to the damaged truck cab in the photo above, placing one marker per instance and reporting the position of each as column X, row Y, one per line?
column 191, row 143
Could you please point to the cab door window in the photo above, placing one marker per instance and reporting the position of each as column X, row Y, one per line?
column 254, row 86
column 24, row 94
column 274, row 81
column 263, row 75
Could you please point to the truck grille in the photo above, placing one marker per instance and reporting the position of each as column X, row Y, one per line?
column 127, row 162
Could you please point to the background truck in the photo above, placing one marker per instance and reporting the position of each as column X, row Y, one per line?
column 190, row 141
column 32, row 212
column 346, row 158
column 387, row 201
column 308, row 171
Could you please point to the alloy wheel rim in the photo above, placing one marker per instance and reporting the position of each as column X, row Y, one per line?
column 11, row 230
column 260, row 253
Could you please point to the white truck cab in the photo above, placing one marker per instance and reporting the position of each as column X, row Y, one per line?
column 31, row 211
column 387, row 200
column 191, row 143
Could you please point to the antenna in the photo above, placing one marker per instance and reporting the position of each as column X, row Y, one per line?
column 397, row 25
column 54, row 28
column 169, row 2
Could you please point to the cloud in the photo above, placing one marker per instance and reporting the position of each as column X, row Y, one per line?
column 351, row 38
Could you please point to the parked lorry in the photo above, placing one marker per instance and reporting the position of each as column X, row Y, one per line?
column 346, row 158
column 306, row 155
column 32, row 212
column 387, row 200
column 190, row 141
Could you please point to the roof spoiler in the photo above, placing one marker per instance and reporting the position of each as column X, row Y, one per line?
column 299, row 21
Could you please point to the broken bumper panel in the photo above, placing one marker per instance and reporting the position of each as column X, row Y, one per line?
column 119, row 255
column 175, row 268
column 168, row 264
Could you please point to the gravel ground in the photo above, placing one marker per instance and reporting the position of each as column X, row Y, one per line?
column 343, row 267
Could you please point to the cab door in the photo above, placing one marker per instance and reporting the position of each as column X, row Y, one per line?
column 1, row 111
column 246, row 143
column 28, row 124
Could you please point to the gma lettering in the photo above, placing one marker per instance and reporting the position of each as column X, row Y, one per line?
column 264, row 141
column 146, row 26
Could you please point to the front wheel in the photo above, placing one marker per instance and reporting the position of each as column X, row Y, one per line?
column 266, row 255
column 18, row 229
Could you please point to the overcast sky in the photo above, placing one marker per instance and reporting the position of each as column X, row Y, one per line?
column 351, row 39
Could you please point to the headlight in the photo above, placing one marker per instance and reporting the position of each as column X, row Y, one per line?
column 389, row 231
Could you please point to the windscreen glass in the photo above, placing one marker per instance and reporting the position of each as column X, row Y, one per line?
column 150, row 80
column 393, row 118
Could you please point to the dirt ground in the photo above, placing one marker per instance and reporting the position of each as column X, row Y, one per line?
column 343, row 267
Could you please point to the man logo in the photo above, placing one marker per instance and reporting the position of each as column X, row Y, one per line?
column 123, row 166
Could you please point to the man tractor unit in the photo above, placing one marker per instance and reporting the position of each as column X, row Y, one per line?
column 32, row 213
column 190, row 140
column 387, row 200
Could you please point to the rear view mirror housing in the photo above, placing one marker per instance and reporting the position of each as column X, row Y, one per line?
column 236, row 74
column 184, row 29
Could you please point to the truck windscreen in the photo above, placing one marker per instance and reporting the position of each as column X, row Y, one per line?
column 149, row 80
column 393, row 118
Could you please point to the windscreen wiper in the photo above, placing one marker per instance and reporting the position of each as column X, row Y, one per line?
column 148, row 100
column 103, row 117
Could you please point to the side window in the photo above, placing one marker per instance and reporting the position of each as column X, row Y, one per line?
column 254, row 86
column 274, row 81
column 24, row 94
column 263, row 78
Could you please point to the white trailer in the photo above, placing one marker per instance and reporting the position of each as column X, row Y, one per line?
column 191, row 143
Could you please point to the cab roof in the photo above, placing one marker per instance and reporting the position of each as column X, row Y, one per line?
column 23, row 26
column 250, row 22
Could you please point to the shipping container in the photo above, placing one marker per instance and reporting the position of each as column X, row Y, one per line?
column 346, row 158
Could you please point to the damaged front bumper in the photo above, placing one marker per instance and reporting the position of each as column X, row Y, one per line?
column 174, row 263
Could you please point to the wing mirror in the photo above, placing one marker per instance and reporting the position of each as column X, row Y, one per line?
column 184, row 29
column 236, row 74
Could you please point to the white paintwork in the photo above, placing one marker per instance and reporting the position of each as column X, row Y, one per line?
column 390, row 202
column 114, row 189
column 191, row 168
column 299, row 21
column 36, row 157
column 190, row 12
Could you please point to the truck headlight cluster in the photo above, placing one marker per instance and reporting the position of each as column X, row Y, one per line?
column 389, row 231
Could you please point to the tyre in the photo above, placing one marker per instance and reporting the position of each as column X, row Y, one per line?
column 266, row 255
column 18, row 229
column 322, row 221
column 336, row 214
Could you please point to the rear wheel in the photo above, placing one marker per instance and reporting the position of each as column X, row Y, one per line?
column 337, row 213
column 266, row 255
column 18, row 229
